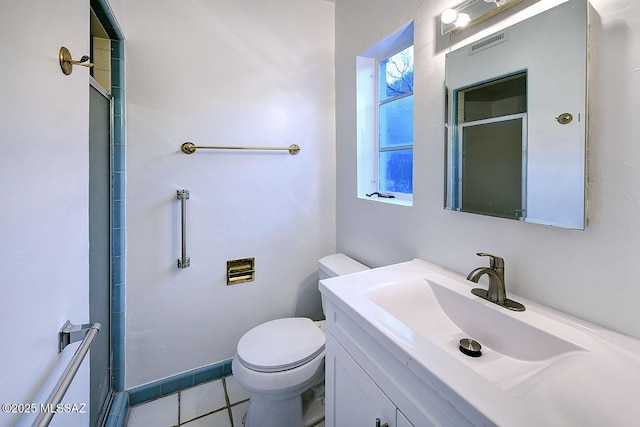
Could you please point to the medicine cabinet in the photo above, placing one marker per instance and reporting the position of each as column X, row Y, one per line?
column 516, row 121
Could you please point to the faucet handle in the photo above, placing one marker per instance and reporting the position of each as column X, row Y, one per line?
column 494, row 261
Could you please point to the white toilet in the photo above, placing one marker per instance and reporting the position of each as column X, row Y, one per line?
column 279, row 360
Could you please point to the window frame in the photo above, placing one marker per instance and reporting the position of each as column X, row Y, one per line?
column 367, row 120
column 378, row 103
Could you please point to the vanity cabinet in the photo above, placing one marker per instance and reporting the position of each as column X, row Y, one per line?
column 355, row 399
column 366, row 380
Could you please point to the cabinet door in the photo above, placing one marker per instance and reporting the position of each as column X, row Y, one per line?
column 352, row 398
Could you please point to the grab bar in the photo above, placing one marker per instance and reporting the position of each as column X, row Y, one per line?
column 190, row 148
column 185, row 261
column 68, row 334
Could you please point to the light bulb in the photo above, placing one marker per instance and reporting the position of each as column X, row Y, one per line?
column 449, row 16
column 463, row 19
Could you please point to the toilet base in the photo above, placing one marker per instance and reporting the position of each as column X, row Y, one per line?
column 277, row 398
column 313, row 412
column 265, row 411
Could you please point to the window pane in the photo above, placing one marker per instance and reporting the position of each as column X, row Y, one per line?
column 396, row 74
column 396, row 123
column 396, row 171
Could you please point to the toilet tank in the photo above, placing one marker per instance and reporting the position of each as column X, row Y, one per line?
column 338, row 265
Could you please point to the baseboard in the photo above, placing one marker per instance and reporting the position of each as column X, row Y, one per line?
column 176, row 383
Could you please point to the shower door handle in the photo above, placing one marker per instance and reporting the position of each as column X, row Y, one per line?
column 185, row 261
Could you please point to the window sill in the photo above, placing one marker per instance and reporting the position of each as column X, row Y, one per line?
column 391, row 201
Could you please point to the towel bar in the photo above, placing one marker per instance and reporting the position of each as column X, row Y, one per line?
column 190, row 148
column 68, row 334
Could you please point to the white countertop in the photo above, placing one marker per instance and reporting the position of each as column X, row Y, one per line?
column 596, row 385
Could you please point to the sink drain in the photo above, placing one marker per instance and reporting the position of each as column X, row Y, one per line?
column 470, row 347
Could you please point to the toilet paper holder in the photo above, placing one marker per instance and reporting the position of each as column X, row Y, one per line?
column 241, row 271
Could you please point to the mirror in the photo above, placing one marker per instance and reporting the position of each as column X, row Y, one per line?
column 516, row 121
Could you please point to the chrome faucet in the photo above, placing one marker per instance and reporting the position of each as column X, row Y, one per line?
column 497, row 292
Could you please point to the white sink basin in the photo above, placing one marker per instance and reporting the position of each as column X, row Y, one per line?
column 538, row 367
column 444, row 311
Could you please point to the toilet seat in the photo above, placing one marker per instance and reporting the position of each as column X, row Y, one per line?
column 281, row 344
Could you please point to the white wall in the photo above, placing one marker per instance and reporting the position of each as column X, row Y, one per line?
column 224, row 73
column 590, row 274
column 44, row 241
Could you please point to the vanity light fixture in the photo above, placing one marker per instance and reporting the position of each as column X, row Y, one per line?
column 449, row 16
column 470, row 12
column 459, row 20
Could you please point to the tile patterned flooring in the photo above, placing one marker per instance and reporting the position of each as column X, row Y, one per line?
column 218, row 403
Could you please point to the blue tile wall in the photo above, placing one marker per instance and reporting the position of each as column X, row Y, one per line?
column 179, row 382
column 117, row 270
column 118, row 181
column 118, row 191
column 118, row 209
column 117, row 416
column 118, row 218
column 119, row 153
column 118, row 195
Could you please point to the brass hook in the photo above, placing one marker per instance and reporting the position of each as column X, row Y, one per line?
column 67, row 63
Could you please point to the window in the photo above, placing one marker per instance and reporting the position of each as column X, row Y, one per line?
column 395, row 123
column 385, row 119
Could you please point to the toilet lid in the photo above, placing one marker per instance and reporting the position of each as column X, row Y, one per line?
column 281, row 344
